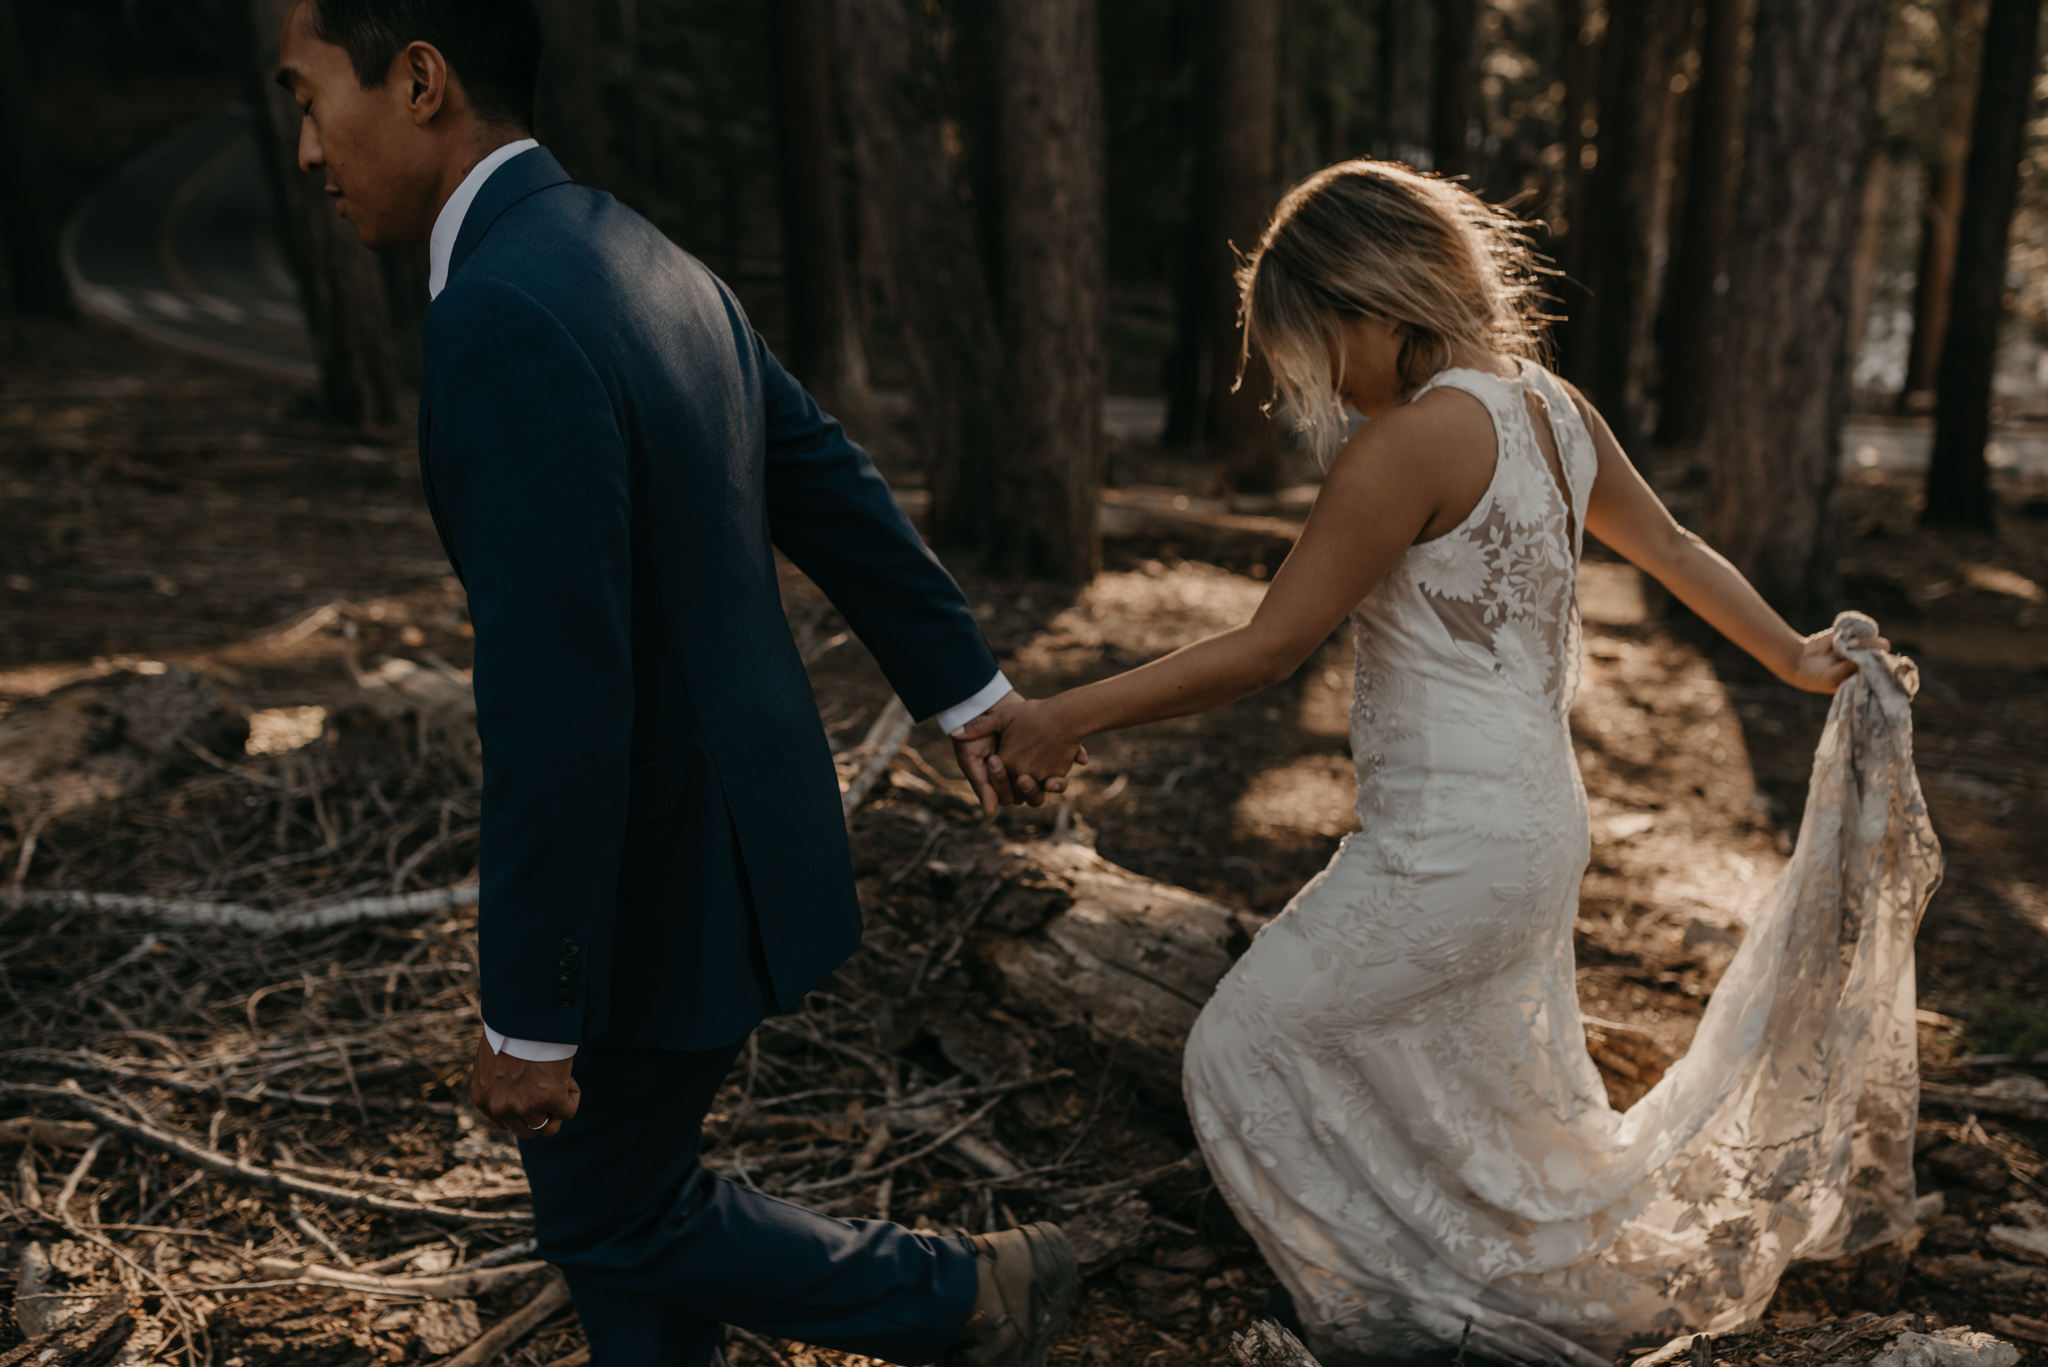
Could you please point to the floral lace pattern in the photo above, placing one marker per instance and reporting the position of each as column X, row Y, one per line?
column 1392, row 1087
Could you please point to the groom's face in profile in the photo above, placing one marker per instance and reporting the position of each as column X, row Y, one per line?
column 376, row 147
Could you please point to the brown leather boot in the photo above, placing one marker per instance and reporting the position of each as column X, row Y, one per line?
column 1028, row 1280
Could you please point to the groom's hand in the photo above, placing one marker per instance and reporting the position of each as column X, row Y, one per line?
column 530, row 1099
column 974, row 750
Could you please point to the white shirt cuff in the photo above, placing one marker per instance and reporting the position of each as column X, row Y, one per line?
column 532, row 1050
column 959, row 714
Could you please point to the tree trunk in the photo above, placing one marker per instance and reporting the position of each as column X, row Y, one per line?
column 1614, row 255
column 1387, row 68
column 825, row 350
column 1579, row 60
column 1450, row 95
column 1934, row 272
column 1239, row 66
column 1878, row 185
column 1691, row 300
column 1780, row 379
column 1958, row 481
column 341, row 284
column 1054, row 295
column 33, row 266
column 569, row 109
column 911, row 175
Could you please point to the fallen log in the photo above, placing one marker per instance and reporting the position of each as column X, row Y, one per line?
column 88, row 1341
column 2018, row 1095
column 1073, row 939
column 1266, row 1344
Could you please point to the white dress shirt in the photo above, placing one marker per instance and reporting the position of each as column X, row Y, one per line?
column 440, row 247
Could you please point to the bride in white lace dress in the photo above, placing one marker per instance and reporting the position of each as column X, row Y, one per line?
column 1392, row 1087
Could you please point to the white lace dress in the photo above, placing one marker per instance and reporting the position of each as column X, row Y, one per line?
column 1392, row 1087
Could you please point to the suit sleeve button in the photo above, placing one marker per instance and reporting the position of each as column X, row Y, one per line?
column 569, row 946
column 565, row 998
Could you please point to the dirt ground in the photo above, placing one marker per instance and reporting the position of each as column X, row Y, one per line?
column 160, row 513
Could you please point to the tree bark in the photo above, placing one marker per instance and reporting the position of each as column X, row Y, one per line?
column 1877, row 194
column 1780, row 379
column 341, row 284
column 1691, row 300
column 1579, row 61
column 569, row 112
column 910, row 171
column 1239, row 69
column 1958, row 480
column 825, row 349
column 33, row 265
column 1614, row 253
column 1074, row 939
column 1054, row 295
column 1450, row 96
column 1387, row 67
column 1934, row 271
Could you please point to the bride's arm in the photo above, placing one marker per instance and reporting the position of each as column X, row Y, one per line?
column 1383, row 489
column 1627, row 515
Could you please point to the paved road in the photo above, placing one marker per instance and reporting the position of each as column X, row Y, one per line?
column 181, row 244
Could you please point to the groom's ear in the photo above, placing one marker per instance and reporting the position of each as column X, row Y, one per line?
column 423, row 74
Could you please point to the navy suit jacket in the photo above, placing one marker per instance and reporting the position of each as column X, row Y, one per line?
column 610, row 454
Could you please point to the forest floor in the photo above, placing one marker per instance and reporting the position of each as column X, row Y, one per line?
column 162, row 514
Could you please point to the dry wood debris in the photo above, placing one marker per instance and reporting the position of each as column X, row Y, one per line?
column 231, row 1145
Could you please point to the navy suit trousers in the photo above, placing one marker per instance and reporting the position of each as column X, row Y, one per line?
column 661, row 1252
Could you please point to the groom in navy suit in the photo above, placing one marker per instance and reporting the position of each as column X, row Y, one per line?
column 611, row 456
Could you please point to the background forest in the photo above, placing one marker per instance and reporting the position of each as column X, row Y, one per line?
column 1016, row 209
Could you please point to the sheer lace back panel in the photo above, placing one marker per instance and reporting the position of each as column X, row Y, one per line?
column 1505, row 580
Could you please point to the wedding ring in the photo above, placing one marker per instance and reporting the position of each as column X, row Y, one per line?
column 543, row 1124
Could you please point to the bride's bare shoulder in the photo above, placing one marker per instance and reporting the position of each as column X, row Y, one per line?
column 1443, row 438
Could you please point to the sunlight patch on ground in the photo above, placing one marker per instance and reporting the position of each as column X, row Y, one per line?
column 281, row 730
column 1312, row 795
column 1148, row 612
column 1326, row 691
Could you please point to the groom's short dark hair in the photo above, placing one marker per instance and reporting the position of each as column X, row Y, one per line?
column 494, row 46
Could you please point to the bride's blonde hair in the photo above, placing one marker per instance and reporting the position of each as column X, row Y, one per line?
column 1374, row 237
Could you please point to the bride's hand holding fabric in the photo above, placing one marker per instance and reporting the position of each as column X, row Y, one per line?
column 1820, row 667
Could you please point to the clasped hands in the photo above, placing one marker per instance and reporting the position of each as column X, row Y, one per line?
column 1019, row 751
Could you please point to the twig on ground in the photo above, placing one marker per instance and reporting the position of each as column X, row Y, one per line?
column 99, row 1067
column 981, row 904
column 758, row 1344
column 436, row 1286
column 895, row 1163
column 186, row 911
column 882, row 742
column 264, row 1179
column 515, row 1326
column 62, row 1209
column 510, row 1253
column 1192, row 1163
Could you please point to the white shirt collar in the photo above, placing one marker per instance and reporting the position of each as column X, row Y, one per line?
column 448, row 227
